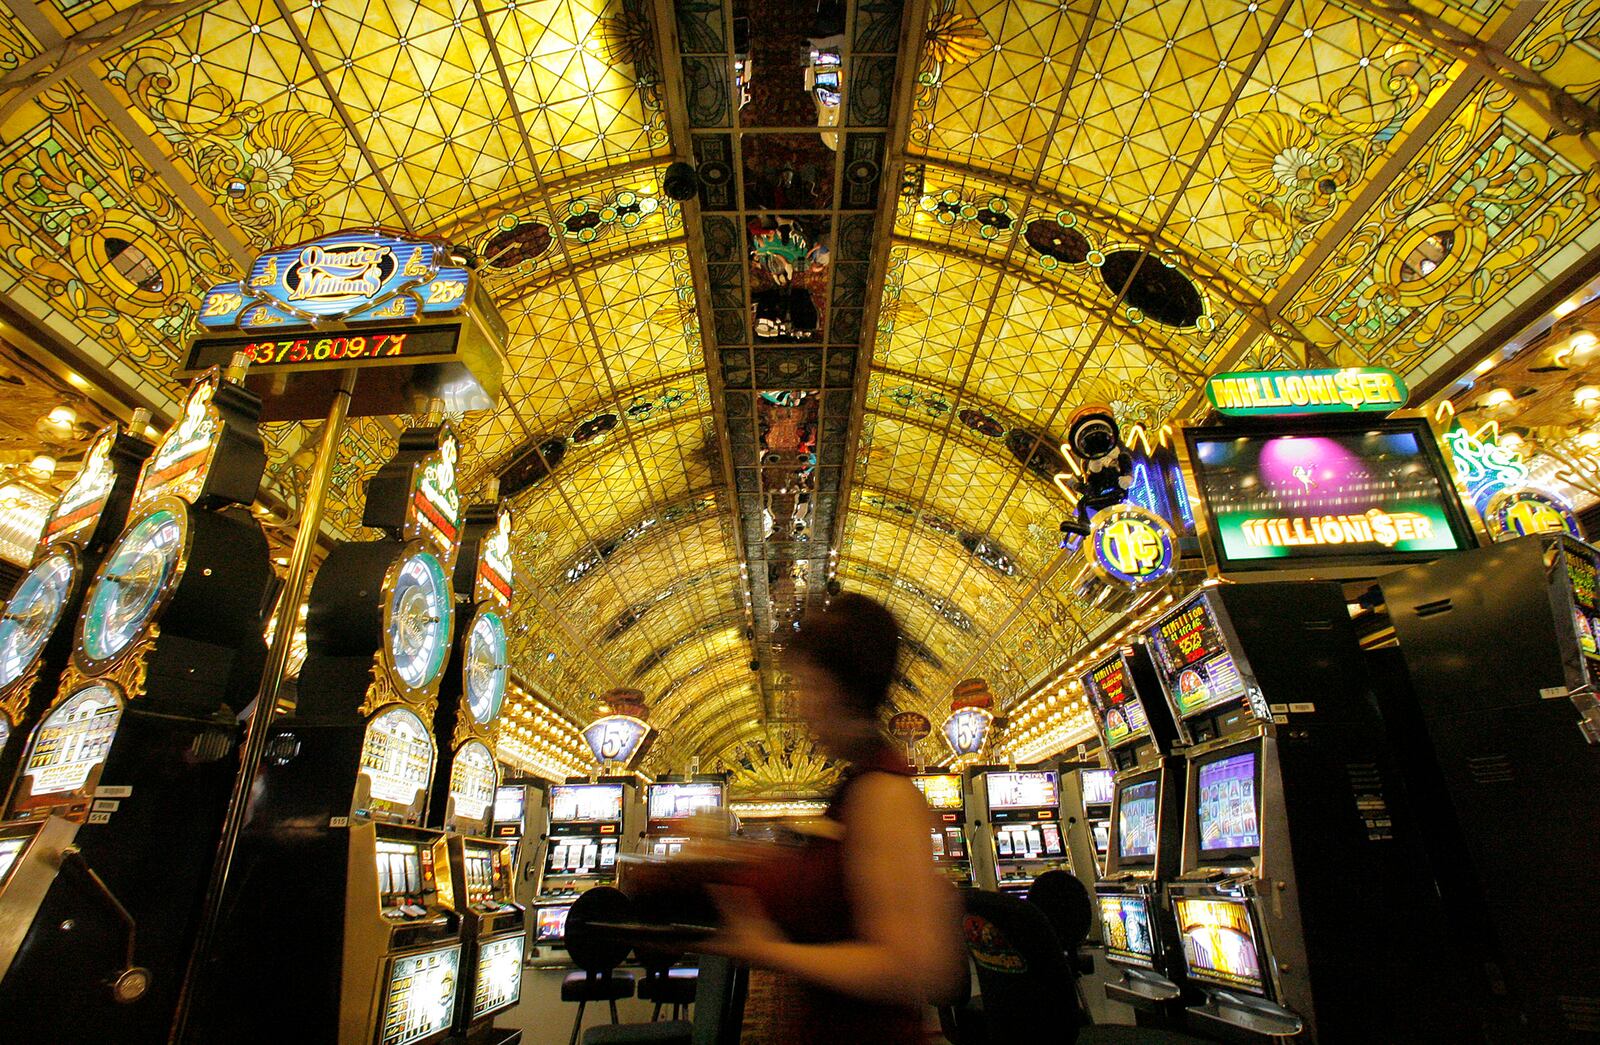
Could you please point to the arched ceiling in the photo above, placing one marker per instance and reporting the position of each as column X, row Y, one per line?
column 1013, row 208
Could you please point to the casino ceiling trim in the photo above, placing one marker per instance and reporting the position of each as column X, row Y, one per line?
column 924, row 232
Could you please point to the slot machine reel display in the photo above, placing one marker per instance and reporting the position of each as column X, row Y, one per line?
column 1024, row 825
column 471, row 694
column 1500, row 728
column 947, row 828
column 116, row 812
column 36, row 630
column 335, row 830
column 1145, row 794
column 1287, row 824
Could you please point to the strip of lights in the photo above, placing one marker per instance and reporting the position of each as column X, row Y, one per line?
column 535, row 739
column 772, row 810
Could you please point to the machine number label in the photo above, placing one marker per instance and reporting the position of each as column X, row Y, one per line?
column 113, row 791
column 338, row 821
column 1282, row 720
column 1553, row 693
column 1279, row 709
column 99, row 818
column 103, row 805
column 1302, row 708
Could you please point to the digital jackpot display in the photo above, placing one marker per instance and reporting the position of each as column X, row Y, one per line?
column 1121, row 715
column 1225, row 803
column 1219, row 942
column 940, row 790
column 1339, row 497
column 1027, row 790
column 1193, row 659
column 270, row 350
column 499, row 976
column 1126, row 920
column 1136, row 821
column 419, row 999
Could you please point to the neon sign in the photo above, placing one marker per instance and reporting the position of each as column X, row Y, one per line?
column 1483, row 465
column 967, row 730
column 1132, row 545
column 1278, row 393
column 1376, row 526
column 616, row 738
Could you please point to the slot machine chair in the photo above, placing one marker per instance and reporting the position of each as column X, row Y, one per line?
column 1070, row 908
column 718, row 1013
column 596, row 954
column 1021, row 968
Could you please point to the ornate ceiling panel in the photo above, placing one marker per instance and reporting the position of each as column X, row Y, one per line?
column 926, row 231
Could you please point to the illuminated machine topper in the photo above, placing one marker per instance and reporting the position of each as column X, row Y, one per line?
column 213, row 452
column 967, row 730
column 493, row 580
column 910, row 726
column 1519, row 512
column 1131, row 545
column 1279, row 393
column 360, row 276
column 414, row 494
column 618, row 739
column 359, row 299
column 86, row 497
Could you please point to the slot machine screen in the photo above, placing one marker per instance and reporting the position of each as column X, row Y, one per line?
column 1219, row 942
column 405, row 874
column 550, row 923
column 1582, row 575
column 1136, row 821
column 1096, row 787
column 510, row 806
column 10, row 852
column 499, row 977
column 69, row 748
column 1102, row 836
column 420, row 998
column 1225, row 805
column 940, row 790
column 397, row 761
column 585, row 803
column 679, row 801
column 1032, row 790
column 482, row 875
column 1193, row 659
column 1117, row 706
column 1351, row 497
column 1126, row 920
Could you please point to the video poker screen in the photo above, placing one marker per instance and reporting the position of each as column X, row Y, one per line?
column 1328, row 497
column 1126, row 921
column 1027, row 790
column 1225, row 804
column 1097, row 787
column 1136, row 821
column 1219, row 942
column 550, row 923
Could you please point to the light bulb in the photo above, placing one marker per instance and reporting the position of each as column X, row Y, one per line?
column 42, row 466
column 62, row 416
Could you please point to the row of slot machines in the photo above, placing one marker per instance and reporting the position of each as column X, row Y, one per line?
column 1319, row 829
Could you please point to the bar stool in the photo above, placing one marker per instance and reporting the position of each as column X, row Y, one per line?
column 596, row 954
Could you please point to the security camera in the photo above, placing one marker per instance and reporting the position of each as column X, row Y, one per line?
column 1092, row 433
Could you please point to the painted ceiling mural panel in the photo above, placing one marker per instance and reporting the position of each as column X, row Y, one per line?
column 925, row 232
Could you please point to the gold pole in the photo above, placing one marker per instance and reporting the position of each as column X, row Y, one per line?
column 255, row 744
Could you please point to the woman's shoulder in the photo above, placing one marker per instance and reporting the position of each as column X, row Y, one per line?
column 881, row 789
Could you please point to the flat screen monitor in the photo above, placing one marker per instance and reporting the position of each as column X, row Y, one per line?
column 1226, row 805
column 498, row 982
column 679, row 801
column 1193, row 659
column 1326, row 496
column 1219, row 942
column 1118, row 708
column 550, row 923
column 942, row 790
column 1136, row 821
column 1027, row 790
column 510, row 805
column 585, row 803
column 420, row 997
column 1096, row 787
column 1128, row 937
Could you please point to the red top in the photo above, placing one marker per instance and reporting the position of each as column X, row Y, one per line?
column 807, row 894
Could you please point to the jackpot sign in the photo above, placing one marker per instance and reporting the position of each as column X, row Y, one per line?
column 1519, row 512
column 1277, row 393
column 967, row 729
column 1132, row 545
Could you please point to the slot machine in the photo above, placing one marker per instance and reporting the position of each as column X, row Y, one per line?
column 1144, row 840
column 1500, row 729
column 671, row 804
column 36, row 628
column 586, row 834
column 947, row 825
column 1023, row 828
column 114, row 818
column 465, row 784
column 1090, row 789
column 518, row 815
column 339, row 886
column 1302, row 904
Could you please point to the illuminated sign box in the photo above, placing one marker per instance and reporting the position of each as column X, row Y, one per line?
column 1277, row 393
column 1338, row 497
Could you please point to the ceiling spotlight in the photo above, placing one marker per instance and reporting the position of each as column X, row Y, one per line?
column 43, row 466
column 62, row 417
column 1498, row 399
column 1587, row 399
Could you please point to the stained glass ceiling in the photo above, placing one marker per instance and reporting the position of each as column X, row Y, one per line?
column 924, row 233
